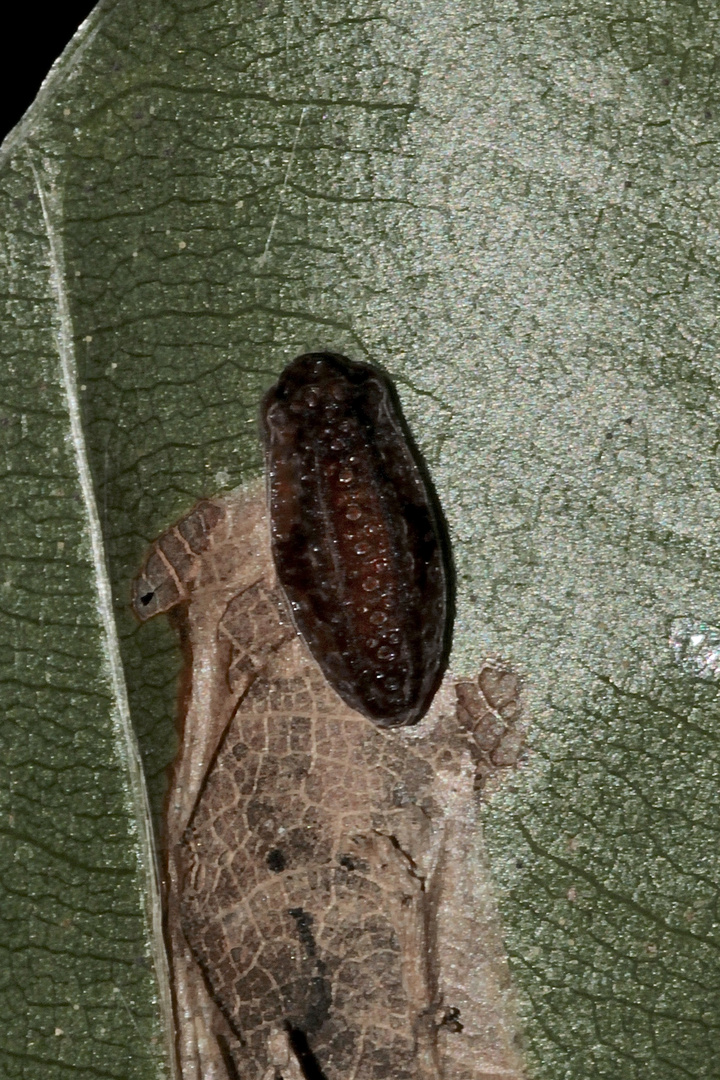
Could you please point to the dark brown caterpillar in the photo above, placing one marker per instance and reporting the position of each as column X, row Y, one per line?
column 357, row 536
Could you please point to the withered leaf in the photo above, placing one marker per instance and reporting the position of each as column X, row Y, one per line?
column 327, row 905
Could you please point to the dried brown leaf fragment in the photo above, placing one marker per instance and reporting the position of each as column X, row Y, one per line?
column 328, row 907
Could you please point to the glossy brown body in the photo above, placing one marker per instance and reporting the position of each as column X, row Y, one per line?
column 356, row 537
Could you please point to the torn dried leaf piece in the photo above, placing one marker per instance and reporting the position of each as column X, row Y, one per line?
column 328, row 908
column 491, row 710
column 171, row 564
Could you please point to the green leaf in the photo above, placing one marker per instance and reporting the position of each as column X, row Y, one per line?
column 513, row 207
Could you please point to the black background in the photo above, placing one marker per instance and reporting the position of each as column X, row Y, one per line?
column 33, row 36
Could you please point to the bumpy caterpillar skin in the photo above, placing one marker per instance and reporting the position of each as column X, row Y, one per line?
column 357, row 537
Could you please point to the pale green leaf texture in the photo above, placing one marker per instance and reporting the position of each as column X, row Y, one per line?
column 514, row 208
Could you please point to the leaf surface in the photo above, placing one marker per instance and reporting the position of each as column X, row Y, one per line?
column 513, row 208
